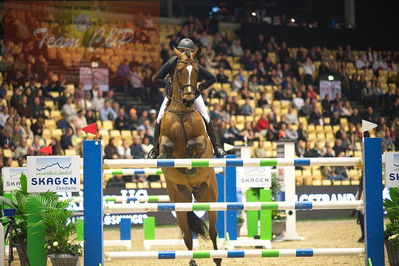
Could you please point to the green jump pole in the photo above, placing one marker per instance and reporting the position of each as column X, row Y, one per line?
column 252, row 216
column 265, row 215
column 149, row 228
column 80, row 230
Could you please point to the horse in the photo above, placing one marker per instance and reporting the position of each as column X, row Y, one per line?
column 183, row 135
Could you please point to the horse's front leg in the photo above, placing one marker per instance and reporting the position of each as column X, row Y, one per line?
column 165, row 148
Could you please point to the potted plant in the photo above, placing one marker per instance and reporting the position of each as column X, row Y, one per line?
column 60, row 229
column 19, row 202
column 278, row 222
column 391, row 232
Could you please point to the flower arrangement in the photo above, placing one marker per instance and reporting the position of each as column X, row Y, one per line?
column 391, row 207
column 279, row 215
column 59, row 226
column 391, row 232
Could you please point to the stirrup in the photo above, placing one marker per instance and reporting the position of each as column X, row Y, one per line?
column 219, row 151
column 153, row 154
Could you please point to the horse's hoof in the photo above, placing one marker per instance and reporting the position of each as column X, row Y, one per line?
column 218, row 262
column 192, row 263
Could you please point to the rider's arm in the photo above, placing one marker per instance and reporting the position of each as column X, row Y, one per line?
column 207, row 76
column 159, row 80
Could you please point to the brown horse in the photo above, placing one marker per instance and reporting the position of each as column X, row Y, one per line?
column 183, row 135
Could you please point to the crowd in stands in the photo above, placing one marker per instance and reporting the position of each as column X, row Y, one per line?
column 263, row 95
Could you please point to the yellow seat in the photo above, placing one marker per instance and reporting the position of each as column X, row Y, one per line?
column 108, row 125
column 56, row 133
column 131, row 185
column 7, row 153
column 70, row 152
column 50, row 124
column 56, row 114
column 114, row 133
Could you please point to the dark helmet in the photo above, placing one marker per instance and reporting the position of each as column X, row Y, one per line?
column 186, row 43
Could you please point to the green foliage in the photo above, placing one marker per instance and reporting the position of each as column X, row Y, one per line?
column 59, row 226
column 391, row 206
column 19, row 202
column 276, row 186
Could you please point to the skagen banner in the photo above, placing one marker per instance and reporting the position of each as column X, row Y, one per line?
column 53, row 173
column 11, row 177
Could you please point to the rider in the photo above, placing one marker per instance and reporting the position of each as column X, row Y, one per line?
column 186, row 46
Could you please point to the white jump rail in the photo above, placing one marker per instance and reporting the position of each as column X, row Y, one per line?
column 230, row 206
column 253, row 162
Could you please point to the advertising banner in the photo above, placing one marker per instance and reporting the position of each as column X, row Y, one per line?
column 392, row 169
column 11, row 177
column 53, row 173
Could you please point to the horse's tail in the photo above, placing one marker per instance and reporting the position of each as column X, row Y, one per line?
column 196, row 225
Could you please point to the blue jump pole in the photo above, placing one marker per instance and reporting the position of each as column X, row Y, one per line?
column 220, row 224
column 373, row 210
column 125, row 229
column 231, row 196
column 93, row 203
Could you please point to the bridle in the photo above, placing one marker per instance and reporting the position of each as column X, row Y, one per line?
column 181, row 88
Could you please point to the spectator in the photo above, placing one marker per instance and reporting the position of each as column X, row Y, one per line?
column 107, row 113
column 271, row 134
column 302, row 132
column 136, row 83
column 133, row 119
column 98, row 101
column 262, row 102
column 249, row 134
column 66, row 139
column 316, row 117
column 110, row 151
column 124, row 150
column 233, row 132
column 37, row 127
column 6, row 139
column 338, row 148
column 121, row 122
column 79, row 92
column 246, row 108
column 146, row 146
column 236, row 48
column 311, row 151
column 37, row 108
column 298, row 101
column 300, row 148
column 260, row 151
column 136, row 149
column 4, row 115
column 116, row 181
column 387, row 142
column 21, row 150
column 55, row 146
column 309, row 68
column 262, row 124
column 306, row 109
column 81, row 120
column 335, row 119
column 24, row 108
column 68, row 110
column 221, row 77
column 290, row 117
column 90, row 117
column 291, row 133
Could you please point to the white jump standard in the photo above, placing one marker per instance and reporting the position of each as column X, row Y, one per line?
column 94, row 205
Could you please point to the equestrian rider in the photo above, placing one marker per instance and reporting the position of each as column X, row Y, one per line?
column 185, row 46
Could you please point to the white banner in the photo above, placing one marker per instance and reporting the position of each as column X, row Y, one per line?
column 11, row 177
column 392, row 169
column 53, row 173
column 251, row 177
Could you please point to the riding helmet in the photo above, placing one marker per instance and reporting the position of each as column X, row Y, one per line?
column 186, row 43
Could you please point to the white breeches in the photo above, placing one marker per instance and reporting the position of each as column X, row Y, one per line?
column 199, row 104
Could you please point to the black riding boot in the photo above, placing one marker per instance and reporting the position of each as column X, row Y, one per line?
column 217, row 148
column 153, row 154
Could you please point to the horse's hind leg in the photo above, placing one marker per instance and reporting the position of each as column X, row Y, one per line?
column 181, row 194
column 208, row 193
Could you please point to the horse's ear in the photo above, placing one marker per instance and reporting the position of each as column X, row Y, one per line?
column 197, row 52
column 177, row 52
